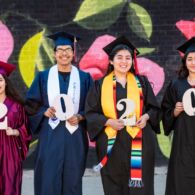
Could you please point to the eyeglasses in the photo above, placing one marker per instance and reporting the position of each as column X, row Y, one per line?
column 61, row 51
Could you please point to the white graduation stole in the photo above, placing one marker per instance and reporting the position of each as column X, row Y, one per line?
column 53, row 90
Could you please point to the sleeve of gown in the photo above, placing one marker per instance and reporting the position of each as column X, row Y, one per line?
column 23, row 128
column 93, row 112
column 152, row 106
column 88, row 84
column 167, row 107
column 34, row 104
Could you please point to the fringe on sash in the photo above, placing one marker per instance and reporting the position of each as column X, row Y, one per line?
column 136, row 183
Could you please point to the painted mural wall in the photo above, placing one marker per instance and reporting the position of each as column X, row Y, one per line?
column 155, row 27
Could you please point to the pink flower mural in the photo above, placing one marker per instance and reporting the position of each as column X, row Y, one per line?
column 6, row 42
column 186, row 27
column 95, row 61
column 153, row 72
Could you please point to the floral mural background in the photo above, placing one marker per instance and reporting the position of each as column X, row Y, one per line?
column 156, row 27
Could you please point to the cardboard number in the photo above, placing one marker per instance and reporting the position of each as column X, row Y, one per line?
column 189, row 102
column 60, row 114
column 3, row 112
column 130, row 107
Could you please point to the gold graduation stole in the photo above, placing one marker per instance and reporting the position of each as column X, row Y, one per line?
column 109, row 105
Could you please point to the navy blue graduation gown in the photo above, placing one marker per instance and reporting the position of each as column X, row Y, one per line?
column 60, row 157
column 181, row 169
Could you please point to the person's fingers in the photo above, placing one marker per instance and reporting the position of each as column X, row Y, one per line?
column 73, row 123
column 72, row 119
column 53, row 109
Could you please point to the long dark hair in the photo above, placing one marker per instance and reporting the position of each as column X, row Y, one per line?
column 114, row 52
column 183, row 71
column 11, row 92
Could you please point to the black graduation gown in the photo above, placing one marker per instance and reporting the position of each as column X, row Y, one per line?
column 60, row 157
column 181, row 169
column 115, row 174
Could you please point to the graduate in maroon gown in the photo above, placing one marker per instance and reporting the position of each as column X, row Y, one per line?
column 14, row 134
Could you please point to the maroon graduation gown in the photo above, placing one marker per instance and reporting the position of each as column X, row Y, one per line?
column 13, row 150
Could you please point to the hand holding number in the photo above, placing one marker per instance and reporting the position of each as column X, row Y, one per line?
column 75, row 119
column 50, row 112
column 12, row 132
column 178, row 109
column 141, row 123
column 116, row 124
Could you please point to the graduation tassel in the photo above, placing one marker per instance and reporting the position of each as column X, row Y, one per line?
column 135, row 62
column 75, row 50
column 135, row 184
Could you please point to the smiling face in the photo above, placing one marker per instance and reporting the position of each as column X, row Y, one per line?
column 64, row 55
column 2, row 85
column 122, row 62
column 190, row 62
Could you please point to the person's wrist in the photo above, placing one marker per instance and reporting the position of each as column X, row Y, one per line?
column 108, row 122
column 147, row 116
column 175, row 112
column 79, row 117
column 16, row 132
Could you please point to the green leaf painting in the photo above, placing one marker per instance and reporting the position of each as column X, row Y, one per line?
column 145, row 50
column 139, row 21
column 45, row 55
column 98, row 14
column 35, row 55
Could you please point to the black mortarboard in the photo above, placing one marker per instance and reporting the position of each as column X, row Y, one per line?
column 188, row 46
column 63, row 38
column 6, row 68
column 121, row 40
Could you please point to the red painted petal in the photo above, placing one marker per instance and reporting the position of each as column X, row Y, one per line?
column 153, row 71
column 6, row 43
column 187, row 28
column 95, row 59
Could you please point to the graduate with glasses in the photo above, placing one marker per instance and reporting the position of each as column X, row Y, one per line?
column 62, row 142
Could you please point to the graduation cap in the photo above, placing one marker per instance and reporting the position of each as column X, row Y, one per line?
column 64, row 38
column 188, row 46
column 6, row 69
column 122, row 40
